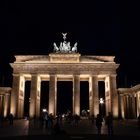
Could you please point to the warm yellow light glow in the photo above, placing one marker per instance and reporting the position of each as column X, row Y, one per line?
column 90, row 85
column 51, row 108
column 77, row 110
column 5, row 111
column 44, row 77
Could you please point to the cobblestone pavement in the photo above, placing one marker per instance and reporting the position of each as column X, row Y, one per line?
column 85, row 127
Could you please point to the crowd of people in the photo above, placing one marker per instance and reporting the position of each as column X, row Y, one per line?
column 48, row 119
column 55, row 123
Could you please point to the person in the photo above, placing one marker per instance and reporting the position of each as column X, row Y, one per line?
column 11, row 118
column 99, row 121
column 109, row 123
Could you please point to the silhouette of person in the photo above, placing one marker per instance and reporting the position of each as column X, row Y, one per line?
column 11, row 118
column 99, row 121
column 109, row 123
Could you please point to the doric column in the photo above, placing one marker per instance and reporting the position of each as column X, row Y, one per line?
column 91, row 97
column 95, row 95
column 1, row 104
column 76, row 94
column 33, row 110
column 121, row 103
column 38, row 97
column 138, row 103
column 114, row 96
column 133, row 107
column 6, row 104
column 52, row 94
column 15, row 95
column 107, row 95
column 127, row 107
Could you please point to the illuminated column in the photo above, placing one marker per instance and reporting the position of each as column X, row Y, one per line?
column 121, row 103
column 1, row 104
column 91, row 97
column 6, row 104
column 124, row 104
column 38, row 97
column 33, row 96
column 95, row 94
column 76, row 94
column 52, row 94
column 127, row 107
column 114, row 96
column 133, row 107
column 107, row 95
column 138, row 103
column 15, row 95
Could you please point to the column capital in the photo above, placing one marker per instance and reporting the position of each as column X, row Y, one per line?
column 127, row 95
column 121, row 95
column 16, row 74
column 52, row 75
column 8, row 94
column 76, row 75
column 94, row 75
column 34, row 74
column 113, row 75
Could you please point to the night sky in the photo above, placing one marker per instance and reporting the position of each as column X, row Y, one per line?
column 100, row 27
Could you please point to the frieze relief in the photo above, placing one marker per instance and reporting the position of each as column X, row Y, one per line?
column 65, row 69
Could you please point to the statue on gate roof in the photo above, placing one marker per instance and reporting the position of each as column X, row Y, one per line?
column 65, row 46
column 64, row 36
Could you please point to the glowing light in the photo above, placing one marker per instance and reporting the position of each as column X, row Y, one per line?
column 101, row 101
column 44, row 110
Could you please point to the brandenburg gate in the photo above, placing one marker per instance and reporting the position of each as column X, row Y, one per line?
column 64, row 64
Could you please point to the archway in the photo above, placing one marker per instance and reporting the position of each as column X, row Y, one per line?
column 44, row 95
column 84, row 97
column 101, row 86
column 64, row 96
column 27, row 97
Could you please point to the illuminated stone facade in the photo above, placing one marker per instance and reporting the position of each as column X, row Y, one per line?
column 63, row 67
column 129, row 102
column 5, row 93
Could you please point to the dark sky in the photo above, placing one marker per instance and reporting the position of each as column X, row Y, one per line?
column 100, row 28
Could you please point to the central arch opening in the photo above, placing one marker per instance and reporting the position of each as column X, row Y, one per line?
column 101, row 86
column 64, row 96
column 27, row 97
column 84, row 98
column 44, row 95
